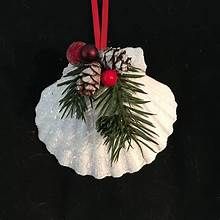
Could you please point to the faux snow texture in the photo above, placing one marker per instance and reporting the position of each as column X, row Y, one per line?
column 78, row 145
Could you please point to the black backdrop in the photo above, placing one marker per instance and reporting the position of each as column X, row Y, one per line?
column 181, row 44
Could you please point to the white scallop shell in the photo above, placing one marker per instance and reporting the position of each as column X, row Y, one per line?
column 78, row 145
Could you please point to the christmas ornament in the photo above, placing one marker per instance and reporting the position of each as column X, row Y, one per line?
column 89, row 53
column 111, row 128
column 73, row 53
column 109, row 78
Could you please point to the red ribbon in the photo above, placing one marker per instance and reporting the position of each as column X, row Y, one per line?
column 100, row 36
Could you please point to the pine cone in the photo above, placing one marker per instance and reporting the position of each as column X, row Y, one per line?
column 90, row 80
column 116, row 58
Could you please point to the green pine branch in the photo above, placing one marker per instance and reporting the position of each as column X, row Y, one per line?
column 72, row 103
column 121, row 119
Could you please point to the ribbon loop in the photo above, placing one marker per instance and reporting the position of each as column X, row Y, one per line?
column 100, row 36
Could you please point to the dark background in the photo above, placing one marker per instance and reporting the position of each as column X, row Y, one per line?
column 181, row 40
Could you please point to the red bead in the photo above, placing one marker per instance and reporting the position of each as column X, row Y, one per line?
column 109, row 78
column 89, row 53
column 73, row 53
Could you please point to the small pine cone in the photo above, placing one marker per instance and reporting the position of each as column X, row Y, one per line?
column 116, row 58
column 90, row 80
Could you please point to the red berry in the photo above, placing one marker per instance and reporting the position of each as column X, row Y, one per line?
column 89, row 53
column 109, row 78
column 73, row 52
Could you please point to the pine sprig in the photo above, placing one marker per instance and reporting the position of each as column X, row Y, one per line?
column 73, row 103
column 121, row 119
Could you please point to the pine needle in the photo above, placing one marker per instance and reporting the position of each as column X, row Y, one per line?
column 72, row 103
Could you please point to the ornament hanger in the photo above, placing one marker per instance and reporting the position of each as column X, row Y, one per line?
column 100, row 35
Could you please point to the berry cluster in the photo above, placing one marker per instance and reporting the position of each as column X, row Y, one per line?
column 80, row 52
